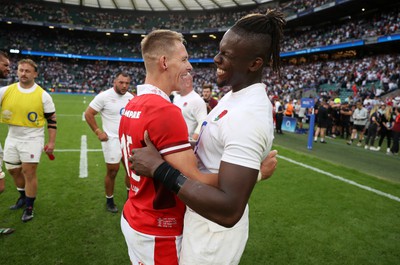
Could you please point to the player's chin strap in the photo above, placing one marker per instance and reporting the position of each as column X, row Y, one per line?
column 170, row 177
column 51, row 120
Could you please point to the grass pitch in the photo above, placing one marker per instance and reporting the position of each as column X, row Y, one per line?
column 299, row 216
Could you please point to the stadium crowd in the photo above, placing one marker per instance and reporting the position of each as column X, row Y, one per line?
column 89, row 43
column 182, row 21
column 377, row 24
column 379, row 74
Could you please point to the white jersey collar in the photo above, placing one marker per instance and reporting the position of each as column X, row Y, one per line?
column 150, row 89
column 27, row 90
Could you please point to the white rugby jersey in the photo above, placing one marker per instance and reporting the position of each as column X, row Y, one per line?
column 239, row 130
column 111, row 106
column 194, row 110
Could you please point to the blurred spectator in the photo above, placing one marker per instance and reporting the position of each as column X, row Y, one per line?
column 386, row 124
column 360, row 119
column 374, row 122
column 396, row 133
column 322, row 122
column 211, row 102
column 345, row 114
column 279, row 109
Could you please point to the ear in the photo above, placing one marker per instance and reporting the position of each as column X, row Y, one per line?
column 163, row 63
column 256, row 64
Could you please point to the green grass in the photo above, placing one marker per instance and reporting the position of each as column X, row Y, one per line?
column 299, row 216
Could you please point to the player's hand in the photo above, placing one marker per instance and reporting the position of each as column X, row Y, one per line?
column 268, row 165
column 102, row 136
column 145, row 160
column 49, row 148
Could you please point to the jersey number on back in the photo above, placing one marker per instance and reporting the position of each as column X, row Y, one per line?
column 126, row 141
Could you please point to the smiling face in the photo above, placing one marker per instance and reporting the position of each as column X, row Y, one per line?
column 186, row 84
column 236, row 62
column 177, row 65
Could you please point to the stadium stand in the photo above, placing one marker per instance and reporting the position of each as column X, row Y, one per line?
column 312, row 61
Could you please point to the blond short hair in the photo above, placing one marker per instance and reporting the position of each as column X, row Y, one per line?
column 159, row 42
column 30, row 62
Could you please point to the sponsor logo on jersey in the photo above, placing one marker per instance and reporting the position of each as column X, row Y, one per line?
column 32, row 116
column 132, row 114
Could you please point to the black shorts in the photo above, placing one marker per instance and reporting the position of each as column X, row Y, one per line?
column 322, row 124
column 359, row 128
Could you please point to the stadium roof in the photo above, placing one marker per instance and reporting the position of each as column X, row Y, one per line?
column 162, row 5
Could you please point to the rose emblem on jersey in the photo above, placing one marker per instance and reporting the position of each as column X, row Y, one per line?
column 7, row 114
column 222, row 114
column 185, row 104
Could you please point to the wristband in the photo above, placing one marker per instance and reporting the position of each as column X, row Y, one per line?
column 170, row 177
column 98, row 129
column 181, row 179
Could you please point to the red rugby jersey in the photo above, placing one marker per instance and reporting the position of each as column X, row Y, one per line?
column 151, row 208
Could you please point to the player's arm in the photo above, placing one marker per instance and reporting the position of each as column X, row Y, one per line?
column 223, row 204
column 148, row 159
column 52, row 131
column 184, row 161
column 50, row 116
column 90, row 114
column 2, row 91
column 200, row 114
column 268, row 166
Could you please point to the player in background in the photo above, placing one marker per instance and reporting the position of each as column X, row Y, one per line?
column 236, row 136
column 26, row 108
column 193, row 107
column 4, row 72
column 110, row 104
column 208, row 98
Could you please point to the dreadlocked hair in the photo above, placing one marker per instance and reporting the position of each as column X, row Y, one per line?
column 271, row 23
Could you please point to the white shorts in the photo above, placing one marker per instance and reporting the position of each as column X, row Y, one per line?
column 112, row 151
column 17, row 151
column 205, row 242
column 148, row 249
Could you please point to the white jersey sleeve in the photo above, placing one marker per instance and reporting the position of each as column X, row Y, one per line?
column 111, row 106
column 48, row 104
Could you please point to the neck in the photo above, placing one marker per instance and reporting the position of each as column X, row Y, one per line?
column 185, row 92
column 158, row 82
column 251, row 81
column 26, row 85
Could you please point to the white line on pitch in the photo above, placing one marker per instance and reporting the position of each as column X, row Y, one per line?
column 83, row 163
column 77, row 150
column 387, row 195
column 68, row 115
column 83, row 116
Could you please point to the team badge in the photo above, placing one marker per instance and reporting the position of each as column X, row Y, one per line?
column 222, row 114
